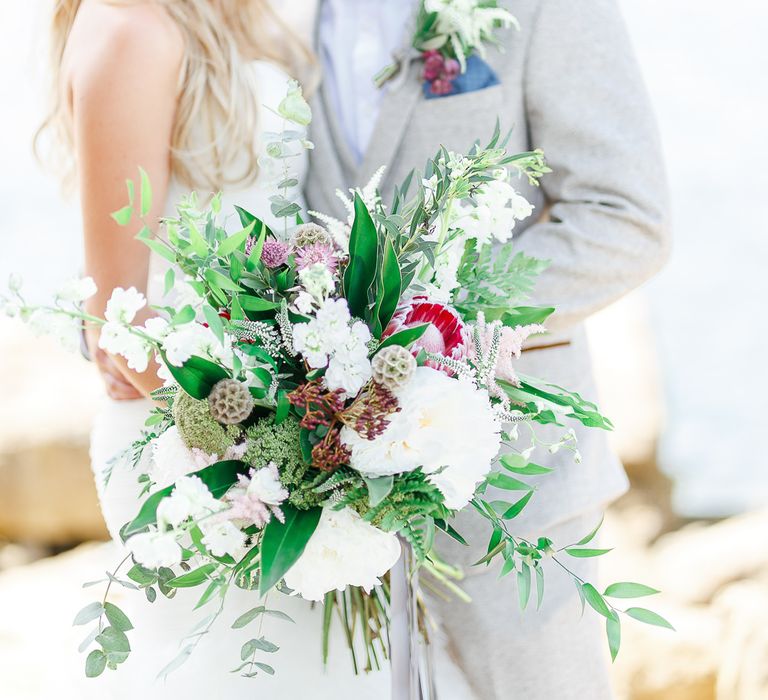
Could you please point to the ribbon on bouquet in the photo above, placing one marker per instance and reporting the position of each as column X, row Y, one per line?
column 410, row 657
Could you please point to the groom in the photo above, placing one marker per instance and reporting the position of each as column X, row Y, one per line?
column 568, row 84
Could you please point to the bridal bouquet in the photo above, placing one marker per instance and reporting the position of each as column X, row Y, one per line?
column 333, row 396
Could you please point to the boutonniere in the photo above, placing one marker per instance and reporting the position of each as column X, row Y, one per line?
column 447, row 33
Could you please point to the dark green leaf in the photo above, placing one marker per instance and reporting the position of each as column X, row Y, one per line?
column 517, row 508
column 509, row 483
column 404, row 338
column 193, row 578
column 197, row 376
column 361, row 270
column 235, row 241
column 283, row 543
column 389, row 286
column 217, row 279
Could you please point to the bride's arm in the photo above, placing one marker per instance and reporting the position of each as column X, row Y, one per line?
column 123, row 68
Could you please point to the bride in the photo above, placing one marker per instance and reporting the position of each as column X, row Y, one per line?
column 181, row 88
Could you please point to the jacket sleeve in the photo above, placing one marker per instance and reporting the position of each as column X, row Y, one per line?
column 607, row 226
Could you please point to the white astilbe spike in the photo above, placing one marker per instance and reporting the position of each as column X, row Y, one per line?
column 370, row 193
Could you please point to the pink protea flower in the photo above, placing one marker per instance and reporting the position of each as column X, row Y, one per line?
column 317, row 253
column 446, row 334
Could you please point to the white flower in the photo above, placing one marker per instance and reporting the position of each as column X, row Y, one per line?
column 266, row 486
column 222, row 538
column 521, row 207
column 63, row 328
column 310, row 343
column 117, row 339
column 77, row 290
column 15, row 282
column 333, row 318
column 304, row 303
column 343, row 551
column 446, row 426
column 124, row 304
column 156, row 328
column 351, row 376
column 317, row 279
column 190, row 499
column 10, row 308
column 155, row 549
column 187, row 340
column 171, row 458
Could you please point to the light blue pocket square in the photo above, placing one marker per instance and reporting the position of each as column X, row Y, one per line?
column 478, row 76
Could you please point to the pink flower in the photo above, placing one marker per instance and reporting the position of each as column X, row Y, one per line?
column 441, row 87
column 451, row 69
column 510, row 347
column 433, row 64
column 323, row 253
column 273, row 253
column 446, row 334
column 256, row 497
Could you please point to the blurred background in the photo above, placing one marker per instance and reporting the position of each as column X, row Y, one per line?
column 681, row 366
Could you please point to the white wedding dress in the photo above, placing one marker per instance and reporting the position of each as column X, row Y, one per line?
column 160, row 628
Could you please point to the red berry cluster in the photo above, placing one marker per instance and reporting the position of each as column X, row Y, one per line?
column 440, row 72
column 369, row 415
column 320, row 405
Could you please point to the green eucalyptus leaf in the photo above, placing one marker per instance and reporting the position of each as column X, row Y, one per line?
column 95, row 663
column 89, row 613
column 117, row 618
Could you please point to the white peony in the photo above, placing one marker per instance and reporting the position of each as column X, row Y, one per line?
column 117, row 339
column 222, row 538
column 343, row 551
column 77, row 290
column 124, row 304
column 155, row 549
column 265, row 485
column 446, row 426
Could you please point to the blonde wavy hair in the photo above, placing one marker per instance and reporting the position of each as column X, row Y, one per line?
column 213, row 94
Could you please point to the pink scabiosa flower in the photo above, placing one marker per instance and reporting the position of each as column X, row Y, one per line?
column 446, row 334
column 323, row 253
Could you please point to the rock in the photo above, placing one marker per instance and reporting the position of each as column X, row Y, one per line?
column 47, row 494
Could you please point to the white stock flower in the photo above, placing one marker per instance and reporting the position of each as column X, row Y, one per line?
column 155, row 549
column 156, row 328
column 182, row 342
column 58, row 325
column 446, row 426
column 124, row 304
column 117, row 339
column 77, row 290
column 351, row 376
column 333, row 321
column 304, row 303
column 343, row 551
column 266, row 486
column 310, row 343
column 222, row 537
column 317, row 279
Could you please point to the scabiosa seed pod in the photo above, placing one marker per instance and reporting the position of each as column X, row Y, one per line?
column 230, row 402
column 393, row 367
column 309, row 234
column 274, row 253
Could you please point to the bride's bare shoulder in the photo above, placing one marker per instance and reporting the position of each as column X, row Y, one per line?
column 117, row 39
